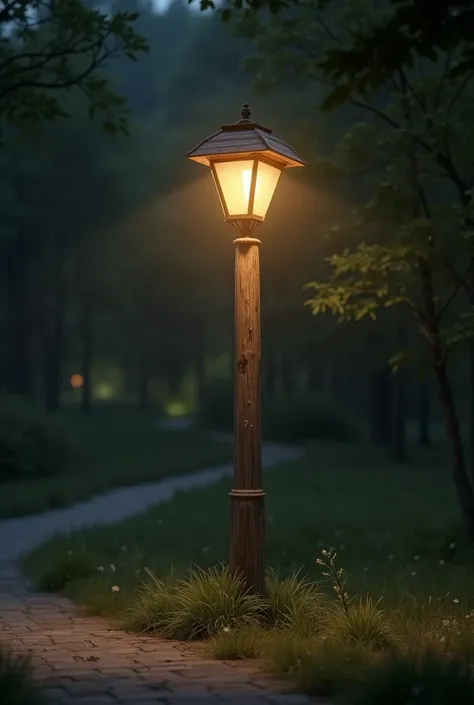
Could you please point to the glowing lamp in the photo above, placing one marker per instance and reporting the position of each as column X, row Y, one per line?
column 246, row 160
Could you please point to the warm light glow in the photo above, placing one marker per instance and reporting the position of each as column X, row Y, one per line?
column 235, row 181
column 231, row 181
column 77, row 381
column 267, row 179
column 246, row 183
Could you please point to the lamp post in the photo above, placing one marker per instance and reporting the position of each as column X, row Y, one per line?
column 246, row 161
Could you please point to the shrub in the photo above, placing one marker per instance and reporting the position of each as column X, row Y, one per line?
column 63, row 568
column 419, row 679
column 33, row 442
column 294, row 603
column 302, row 417
column 216, row 410
column 16, row 683
column 294, row 418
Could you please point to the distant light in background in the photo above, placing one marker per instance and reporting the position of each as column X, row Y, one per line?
column 176, row 408
column 77, row 381
column 103, row 391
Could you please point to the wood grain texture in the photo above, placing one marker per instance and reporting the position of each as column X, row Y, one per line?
column 247, row 497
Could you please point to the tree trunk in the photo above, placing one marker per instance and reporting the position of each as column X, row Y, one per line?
column 53, row 372
column 424, row 426
column 399, row 415
column 286, row 374
column 200, row 375
column 380, row 406
column 471, row 384
column 459, row 470
column 87, row 334
column 315, row 378
column 18, row 264
column 247, row 496
column 144, row 384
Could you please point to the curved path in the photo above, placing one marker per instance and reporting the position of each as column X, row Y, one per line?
column 82, row 660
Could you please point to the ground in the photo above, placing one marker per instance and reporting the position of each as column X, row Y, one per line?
column 84, row 661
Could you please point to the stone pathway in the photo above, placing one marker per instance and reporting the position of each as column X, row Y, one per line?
column 82, row 660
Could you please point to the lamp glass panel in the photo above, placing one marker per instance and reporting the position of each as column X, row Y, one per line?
column 235, row 179
column 267, row 179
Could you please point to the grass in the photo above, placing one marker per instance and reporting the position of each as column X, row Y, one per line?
column 408, row 572
column 118, row 448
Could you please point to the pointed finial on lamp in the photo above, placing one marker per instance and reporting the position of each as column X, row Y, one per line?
column 245, row 113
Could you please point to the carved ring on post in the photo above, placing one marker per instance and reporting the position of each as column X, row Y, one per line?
column 249, row 494
column 247, row 241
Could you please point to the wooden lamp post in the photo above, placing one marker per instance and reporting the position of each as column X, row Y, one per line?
column 246, row 161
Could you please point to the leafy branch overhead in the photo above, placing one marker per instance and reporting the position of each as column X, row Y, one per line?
column 52, row 45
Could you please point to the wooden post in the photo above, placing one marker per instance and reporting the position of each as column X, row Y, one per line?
column 247, row 497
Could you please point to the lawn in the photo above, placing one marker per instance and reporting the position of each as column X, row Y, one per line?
column 116, row 448
column 395, row 530
column 391, row 526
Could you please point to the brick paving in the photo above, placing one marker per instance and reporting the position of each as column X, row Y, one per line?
column 81, row 660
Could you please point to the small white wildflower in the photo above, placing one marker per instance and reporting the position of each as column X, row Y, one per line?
column 100, row 568
column 452, row 545
column 456, row 601
column 115, row 588
column 413, row 573
column 416, row 558
column 441, row 562
column 112, row 568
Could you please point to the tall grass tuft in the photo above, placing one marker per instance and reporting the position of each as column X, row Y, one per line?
column 294, row 603
column 364, row 623
column 16, row 683
column 196, row 607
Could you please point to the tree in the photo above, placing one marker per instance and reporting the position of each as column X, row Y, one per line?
column 50, row 46
column 413, row 154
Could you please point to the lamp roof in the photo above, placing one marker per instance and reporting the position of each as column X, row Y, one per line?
column 245, row 139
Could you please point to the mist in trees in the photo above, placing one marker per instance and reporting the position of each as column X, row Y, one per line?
column 116, row 265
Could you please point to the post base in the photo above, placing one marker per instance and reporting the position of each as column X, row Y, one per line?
column 247, row 514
